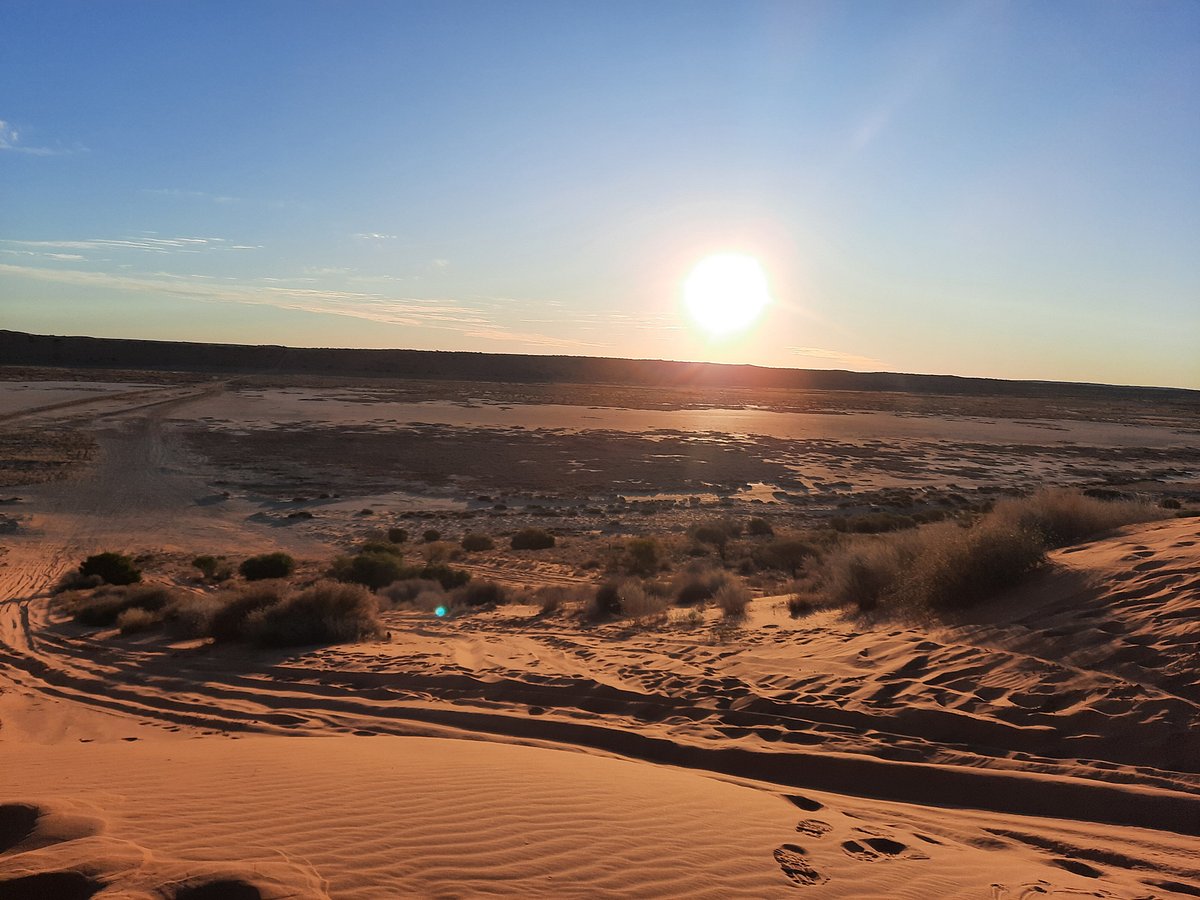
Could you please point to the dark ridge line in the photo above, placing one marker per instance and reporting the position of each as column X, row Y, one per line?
column 24, row 349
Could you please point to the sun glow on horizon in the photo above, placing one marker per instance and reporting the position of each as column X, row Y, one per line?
column 726, row 293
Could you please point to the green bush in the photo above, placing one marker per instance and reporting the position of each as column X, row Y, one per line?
column 430, row 535
column 207, row 565
column 475, row 542
column 397, row 535
column 532, row 539
column 373, row 569
column 113, row 568
column 267, row 565
column 759, row 527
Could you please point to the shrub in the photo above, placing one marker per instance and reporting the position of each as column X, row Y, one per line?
column 381, row 547
column 113, row 568
column 861, row 572
column 639, row 603
column 448, row 577
column 605, row 603
column 475, row 542
column 397, row 535
column 191, row 615
column 73, row 581
column 207, row 565
column 872, row 523
column 430, row 535
column 406, row 591
column 267, row 565
column 759, row 527
column 786, row 554
column 1063, row 516
column 713, row 534
column 228, row 622
column 481, row 593
column 699, row 583
column 732, row 599
column 373, row 569
column 1170, row 503
column 532, row 539
column 642, row 556
column 135, row 619
column 105, row 606
column 958, row 567
column 329, row 612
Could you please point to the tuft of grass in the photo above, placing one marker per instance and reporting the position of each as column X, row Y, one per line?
column 639, row 603
column 329, row 612
column 1063, row 516
column 388, row 547
column 191, row 615
column 732, row 599
column 135, row 620
column 947, row 566
column 267, row 565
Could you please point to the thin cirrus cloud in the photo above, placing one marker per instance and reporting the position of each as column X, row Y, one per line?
column 144, row 244
column 410, row 312
column 178, row 194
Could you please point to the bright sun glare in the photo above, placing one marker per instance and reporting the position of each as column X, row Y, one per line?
column 725, row 293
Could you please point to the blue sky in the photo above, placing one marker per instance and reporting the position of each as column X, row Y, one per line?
column 1002, row 189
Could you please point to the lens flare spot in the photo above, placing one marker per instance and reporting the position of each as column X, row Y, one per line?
column 440, row 611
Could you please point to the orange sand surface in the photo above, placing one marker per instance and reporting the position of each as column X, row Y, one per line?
column 1046, row 746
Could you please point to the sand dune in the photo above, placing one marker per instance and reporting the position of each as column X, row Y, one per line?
column 1048, row 746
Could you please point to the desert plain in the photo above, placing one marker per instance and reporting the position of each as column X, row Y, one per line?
column 527, row 741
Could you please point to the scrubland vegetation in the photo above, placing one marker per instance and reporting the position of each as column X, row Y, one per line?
column 876, row 567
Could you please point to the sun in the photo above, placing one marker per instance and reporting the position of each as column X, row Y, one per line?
column 725, row 293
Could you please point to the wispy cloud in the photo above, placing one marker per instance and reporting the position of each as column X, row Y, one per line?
column 143, row 244
column 412, row 312
column 178, row 194
column 10, row 139
column 851, row 360
column 373, row 236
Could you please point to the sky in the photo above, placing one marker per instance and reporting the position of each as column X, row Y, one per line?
column 1004, row 189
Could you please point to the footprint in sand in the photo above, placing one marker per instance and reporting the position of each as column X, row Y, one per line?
column 814, row 827
column 870, row 849
column 804, row 803
column 795, row 865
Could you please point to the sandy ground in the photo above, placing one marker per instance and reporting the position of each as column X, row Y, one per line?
column 1048, row 748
